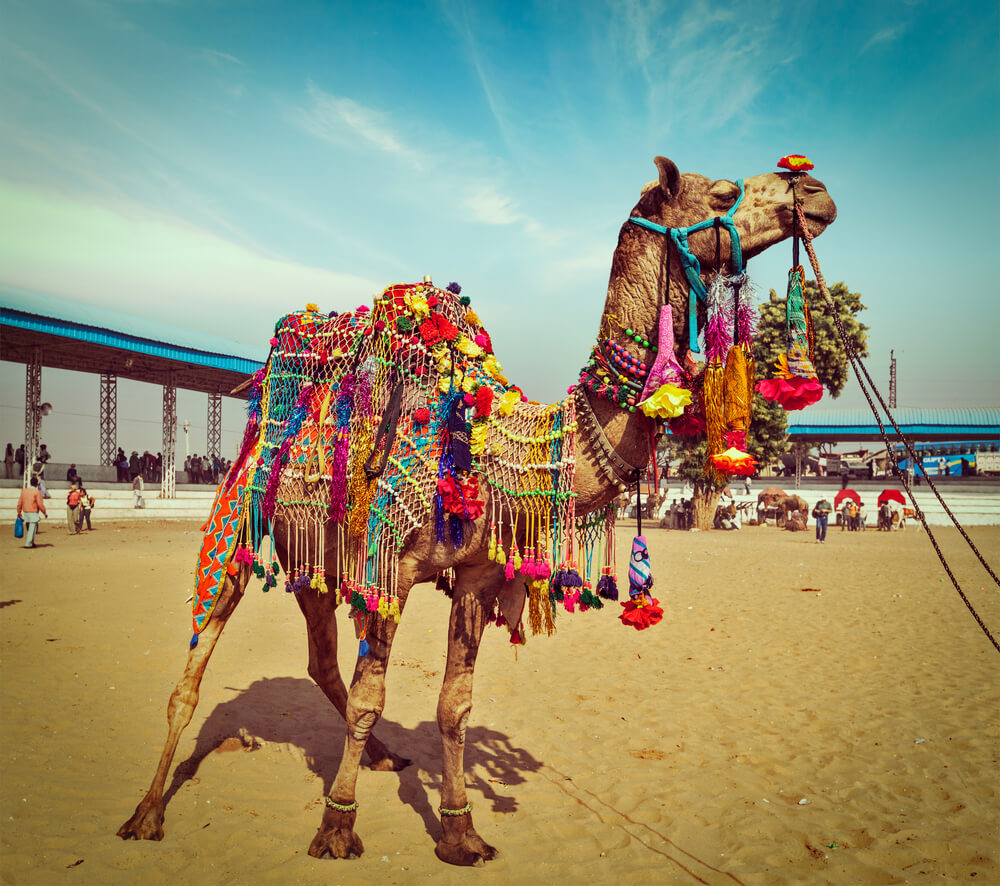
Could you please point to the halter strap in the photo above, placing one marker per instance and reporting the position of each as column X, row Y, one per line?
column 689, row 261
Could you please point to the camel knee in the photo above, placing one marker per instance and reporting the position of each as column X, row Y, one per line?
column 361, row 722
column 183, row 701
column 452, row 721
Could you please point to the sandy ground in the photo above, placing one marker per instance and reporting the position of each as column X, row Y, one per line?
column 804, row 714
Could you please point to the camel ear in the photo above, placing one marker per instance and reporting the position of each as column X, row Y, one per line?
column 670, row 177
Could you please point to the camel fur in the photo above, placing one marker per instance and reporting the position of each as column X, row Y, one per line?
column 638, row 285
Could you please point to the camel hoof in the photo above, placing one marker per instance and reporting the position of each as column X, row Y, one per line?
column 336, row 838
column 461, row 845
column 146, row 823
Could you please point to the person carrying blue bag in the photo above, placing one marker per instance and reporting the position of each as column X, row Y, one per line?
column 31, row 508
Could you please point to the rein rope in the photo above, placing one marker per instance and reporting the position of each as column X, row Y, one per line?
column 859, row 369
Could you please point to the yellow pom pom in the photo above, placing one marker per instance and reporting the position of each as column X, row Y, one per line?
column 668, row 401
column 501, row 557
column 383, row 607
column 508, row 401
column 472, row 318
column 394, row 610
column 493, row 367
column 492, row 553
column 312, row 307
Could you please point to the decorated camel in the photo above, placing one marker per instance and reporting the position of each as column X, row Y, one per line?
column 385, row 448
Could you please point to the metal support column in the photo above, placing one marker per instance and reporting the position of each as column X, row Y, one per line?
column 32, row 413
column 214, row 425
column 109, row 418
column 169, row 477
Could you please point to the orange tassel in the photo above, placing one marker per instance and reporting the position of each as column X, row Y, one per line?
column 715, row 413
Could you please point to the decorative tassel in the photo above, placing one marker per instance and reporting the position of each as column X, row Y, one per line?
column 713, row 393
column 534, row 607
column 363, row 648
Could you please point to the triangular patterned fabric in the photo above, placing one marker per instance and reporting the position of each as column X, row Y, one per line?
column 217, row 548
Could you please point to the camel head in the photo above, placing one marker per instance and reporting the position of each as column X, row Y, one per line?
column 764, row 218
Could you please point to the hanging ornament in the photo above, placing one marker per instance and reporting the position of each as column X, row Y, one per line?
column 795, row 384
column 641, row 610
column 663, row 397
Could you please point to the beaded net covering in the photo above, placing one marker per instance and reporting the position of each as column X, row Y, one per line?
column 365, row 427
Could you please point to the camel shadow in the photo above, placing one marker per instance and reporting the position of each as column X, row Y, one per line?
column 293, row 711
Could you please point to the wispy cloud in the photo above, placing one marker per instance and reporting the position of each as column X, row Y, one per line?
column 343, row 121
column 219, row 59
column 886, row 35
column 486, row 205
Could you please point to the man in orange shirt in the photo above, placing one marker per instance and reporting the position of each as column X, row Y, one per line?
column 73, row 510
column 31, row 507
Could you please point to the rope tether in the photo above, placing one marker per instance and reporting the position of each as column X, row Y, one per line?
column 859, row 369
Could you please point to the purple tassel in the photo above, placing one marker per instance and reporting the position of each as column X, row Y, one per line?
column 338, row 478
column 719, row 327
column 571, row 579
column 607, row 587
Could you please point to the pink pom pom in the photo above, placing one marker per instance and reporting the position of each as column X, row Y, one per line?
column 274, row 342
column 508, row 570
column 469, row 399
column 362, row 309
column 481, row 340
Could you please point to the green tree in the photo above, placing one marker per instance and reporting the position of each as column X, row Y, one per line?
column 767, row 440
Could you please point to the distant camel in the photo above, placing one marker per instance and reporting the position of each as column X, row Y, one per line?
column 587, row 441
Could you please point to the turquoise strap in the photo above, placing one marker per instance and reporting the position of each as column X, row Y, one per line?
column 689, row 261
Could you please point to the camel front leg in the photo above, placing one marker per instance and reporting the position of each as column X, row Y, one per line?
column 146, row 822
column 460, row 844
column 365, row 703
column 320, row 614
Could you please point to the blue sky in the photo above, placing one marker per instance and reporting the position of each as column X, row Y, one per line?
column 214, row 164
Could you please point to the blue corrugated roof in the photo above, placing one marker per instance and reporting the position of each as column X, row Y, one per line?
column 911, row 419
column 57, row 316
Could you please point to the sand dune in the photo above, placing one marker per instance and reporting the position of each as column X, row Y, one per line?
column 761, row 734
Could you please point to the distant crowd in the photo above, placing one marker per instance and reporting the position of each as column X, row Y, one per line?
column 147, row 466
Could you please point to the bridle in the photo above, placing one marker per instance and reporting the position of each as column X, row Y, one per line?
column 689, row 261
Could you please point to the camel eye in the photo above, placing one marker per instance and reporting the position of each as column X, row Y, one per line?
column 723, row 194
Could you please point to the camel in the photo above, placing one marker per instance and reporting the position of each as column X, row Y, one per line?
column 610, row 443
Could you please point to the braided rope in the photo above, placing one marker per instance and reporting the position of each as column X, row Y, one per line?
column 859, row 369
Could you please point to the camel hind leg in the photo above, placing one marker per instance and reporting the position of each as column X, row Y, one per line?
column 146, row 822
column 320, row 615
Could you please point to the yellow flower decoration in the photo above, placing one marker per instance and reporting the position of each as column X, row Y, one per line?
column 508, row 401
column 417, row 304
column 469, row 348
column 477, row 439
column 668, row 401
column 493, row 367
column 472, row 318
column 445, row 382
column 312, row 307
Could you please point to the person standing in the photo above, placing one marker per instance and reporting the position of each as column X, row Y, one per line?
column 821, row 513
column 31, row 508
column 73, row 510
column 862, row 516
column 8, row 461
column 746, row 484
column 86, row 506
column 38, row 473
column 137, row 490
column 19, row 458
